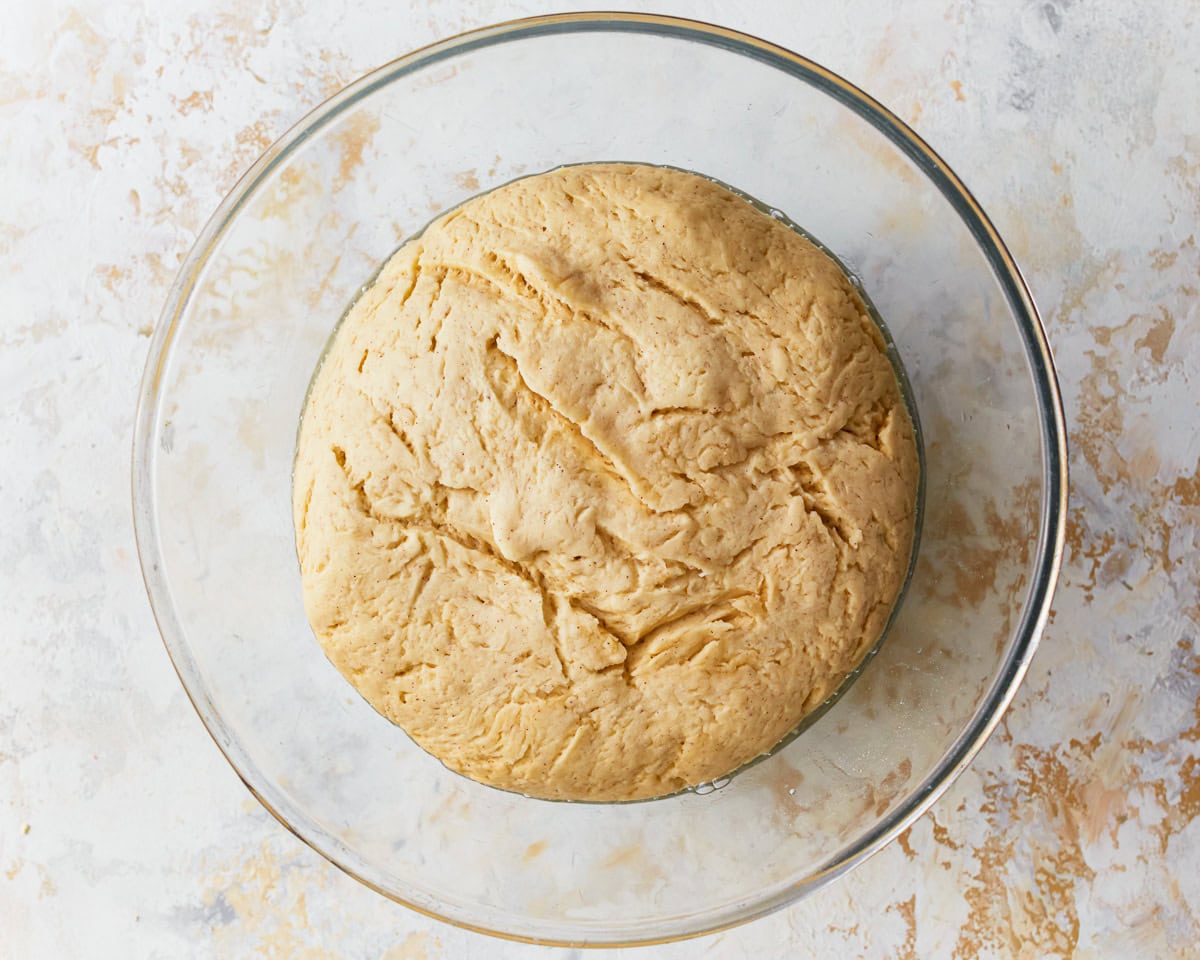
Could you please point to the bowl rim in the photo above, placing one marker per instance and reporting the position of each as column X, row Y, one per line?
column 1052, row 428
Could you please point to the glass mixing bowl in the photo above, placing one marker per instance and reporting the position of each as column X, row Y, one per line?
column 291, row 246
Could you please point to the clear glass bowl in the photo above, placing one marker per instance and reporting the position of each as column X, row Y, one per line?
column 290, row 247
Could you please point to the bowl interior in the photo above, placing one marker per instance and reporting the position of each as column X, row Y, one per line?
column 254, row 308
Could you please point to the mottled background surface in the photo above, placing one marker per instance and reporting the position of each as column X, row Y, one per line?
column 122, row 831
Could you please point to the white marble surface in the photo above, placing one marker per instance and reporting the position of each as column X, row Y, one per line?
column 122, row 831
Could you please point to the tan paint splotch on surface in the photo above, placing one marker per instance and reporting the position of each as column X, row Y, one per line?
column 1022, row 893
column 891, row 786
column 638, row 869
column 296, row 183
column 415, row 946
column 468, row 180
column 1185, row 490
column 354, row 138
column 201, row 100
column 907, row 909
column 257, row 905
column 1006, row 541
column 31, row 875
column 623, row 857
column 783, row 782
column 534, row 850
column 1091, row 817
column 1157, row 337
column 905, row 842
column 252, row 139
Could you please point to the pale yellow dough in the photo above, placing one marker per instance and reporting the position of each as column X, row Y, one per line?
column 603, row 485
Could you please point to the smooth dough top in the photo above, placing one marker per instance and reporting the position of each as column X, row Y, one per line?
column 603, row 484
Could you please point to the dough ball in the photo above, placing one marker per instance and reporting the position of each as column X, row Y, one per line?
column 603, row 484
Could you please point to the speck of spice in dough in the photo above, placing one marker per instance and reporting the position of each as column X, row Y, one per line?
column 603, row 484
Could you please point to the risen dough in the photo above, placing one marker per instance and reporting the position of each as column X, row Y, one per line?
column 603, row 484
